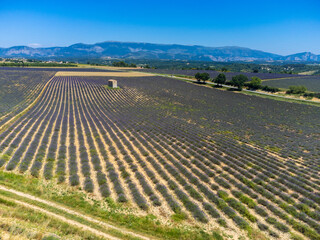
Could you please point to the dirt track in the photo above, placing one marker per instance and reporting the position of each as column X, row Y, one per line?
column 69, row 221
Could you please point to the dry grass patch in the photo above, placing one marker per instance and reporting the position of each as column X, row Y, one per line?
column 105, row 67
column 103, row 74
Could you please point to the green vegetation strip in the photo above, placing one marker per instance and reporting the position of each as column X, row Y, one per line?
column 76, row 200
column 11, row 199
column 111, row 88
column 26, row 216
column 284, row 99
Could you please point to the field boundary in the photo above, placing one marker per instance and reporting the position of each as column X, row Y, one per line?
column 16, row 117
column 274, row 79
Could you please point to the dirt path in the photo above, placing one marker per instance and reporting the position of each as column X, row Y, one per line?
column 72, row 222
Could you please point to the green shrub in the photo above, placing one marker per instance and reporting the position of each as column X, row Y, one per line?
column 248, row 201
column 217, row 236
column 223, row 194
column 281, row 227
column 263, row 227
column 273, row 234
column 179, row 216
column 261, row 211
column 7, row 203
column 241, row 209
column 241, row 223
column 222, row 222
column 51, row 237
column 271, row 220
column 296, row 90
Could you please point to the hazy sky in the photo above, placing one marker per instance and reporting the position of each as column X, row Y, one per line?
column 281, row 26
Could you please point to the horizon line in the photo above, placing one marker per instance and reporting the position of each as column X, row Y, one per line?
column 41, row 47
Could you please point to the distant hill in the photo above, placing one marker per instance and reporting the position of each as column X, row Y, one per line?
column 152, row 51
column 305, row 57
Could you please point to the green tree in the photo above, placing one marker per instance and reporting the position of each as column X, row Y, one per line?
column 239, row 80
column 255, row 83
column 224, row 69
column 202, row 76
column 120, row 64
column 198, row 76
column 220, row 79
column 205, row 77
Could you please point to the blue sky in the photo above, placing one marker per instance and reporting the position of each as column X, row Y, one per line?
column 281, row 26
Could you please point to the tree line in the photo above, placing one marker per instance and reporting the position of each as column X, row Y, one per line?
column 238, row 81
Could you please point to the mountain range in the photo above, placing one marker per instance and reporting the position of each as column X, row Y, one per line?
column 130, row 50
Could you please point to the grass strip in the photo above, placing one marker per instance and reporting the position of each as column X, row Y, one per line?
column 27, row 216
column 77, row 201
column 113, row 232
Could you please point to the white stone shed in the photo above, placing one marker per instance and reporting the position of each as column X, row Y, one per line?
column 112, row 83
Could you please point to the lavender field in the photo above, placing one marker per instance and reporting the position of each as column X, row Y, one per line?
column 312, row 83
column 18, row 90
column 170, row 147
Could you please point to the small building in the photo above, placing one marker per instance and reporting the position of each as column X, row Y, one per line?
column 112, row 83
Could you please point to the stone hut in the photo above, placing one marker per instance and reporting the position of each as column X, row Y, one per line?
column 112, row 83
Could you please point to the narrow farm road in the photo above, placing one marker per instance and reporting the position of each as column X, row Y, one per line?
column 72, row 212
column 64, row 219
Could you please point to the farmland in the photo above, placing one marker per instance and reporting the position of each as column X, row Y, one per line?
column 213, row 74
column 176, row 150
column 17, row 91
column 312, row 83
column 278, row 80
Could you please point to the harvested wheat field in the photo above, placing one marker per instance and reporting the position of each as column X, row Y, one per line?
column 102, row 74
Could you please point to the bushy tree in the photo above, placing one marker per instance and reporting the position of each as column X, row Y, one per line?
column 270, row 89
column 255, row 83
column 198, row 76
column 202, row 76
column 239, row 80
column 205, row 77
column 120, row 64
column 297, row 89
column 220, row 79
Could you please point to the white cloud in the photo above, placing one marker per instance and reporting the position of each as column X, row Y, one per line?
column 34, row 45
